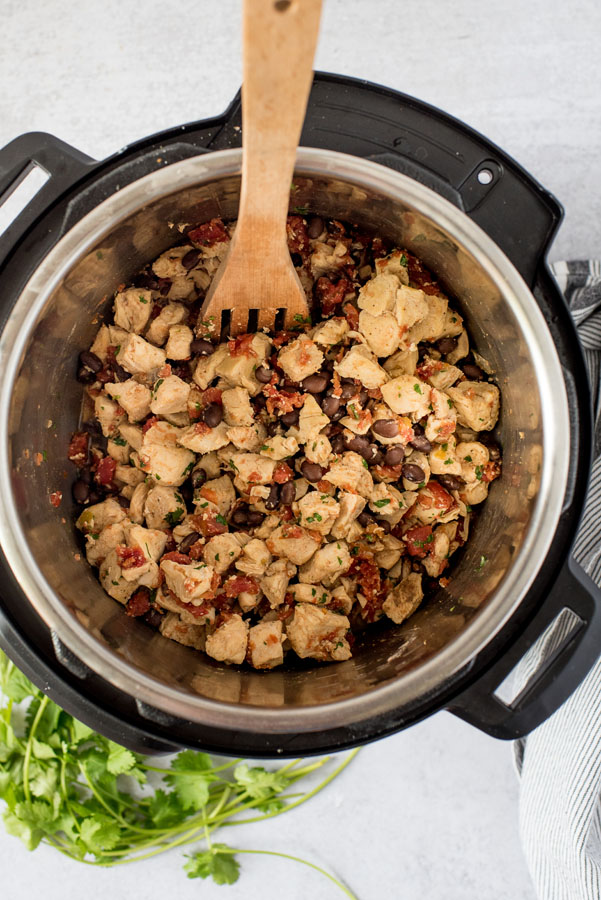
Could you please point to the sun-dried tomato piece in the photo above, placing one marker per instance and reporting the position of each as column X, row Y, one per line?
column 491, row 470
column 176, row 556
column 367, row 574
column 284, row 401
column 426, row 369
column 209, row 524
column 281, row 338
column 239, row 584
column 139, row 602
column 56, row 498
column 212, row 395
column 78, row 448
column 153, row 420
column 296, row 232
column 286, row 608
column 130, row 557
column 418, row 540
column 105, row 470
column 351, row 314
column 421, row 277
column 209, row 234
column 329, row 295
column 282, row 473
column 241, row 346
column 201, row 428
column 434, row 495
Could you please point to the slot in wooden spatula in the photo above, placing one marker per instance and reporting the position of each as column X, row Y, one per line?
column 279, row 39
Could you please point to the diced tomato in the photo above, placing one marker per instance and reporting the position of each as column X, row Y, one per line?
column 241, row 346
column 421, row 277
column 418, row 540
column 367, row 574
column 326, row 487
column 164, row 371
column 296, row 232
column 210, row 524
column 130, row 557
column 329, row 295
column 209, row 234
column 239, row 584
column 426, row 369
column 435, row 495
column 351, row 314
column 491, row 470
column 284, row 401
column 105, row 470
column 281, row 338
column 292, row 531
column 176, row 556
column 78, row 448
column 197, row 549
column 286, row 608
column 149, row 423
column 56, row 498
column 201, row 428
column 282, row 473
column 202, row 610
column 212, row 395
column 139, row 602
column 210, row 494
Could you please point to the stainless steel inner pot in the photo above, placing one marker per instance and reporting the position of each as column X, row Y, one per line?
column 57, row 316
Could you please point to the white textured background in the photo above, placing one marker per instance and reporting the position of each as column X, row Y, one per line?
column 430, row 814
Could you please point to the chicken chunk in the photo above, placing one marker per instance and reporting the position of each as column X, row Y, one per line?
column 279, row 447
column 361, row 363
column 318, row 633
column 255, row 558
column 350, row 472
column 300, row 358
column 293, row 543
column 169, row 395
column 311, row 420
column 131, row 396
column 164, row 507
column 132, row 309
column 222, row 551
column 326, row 564
column 170, row 465
column 477, row 404
column 318, row 511
column 171, row 314
column 218, row 491
column 179, row 342
column 139, row 357
column 201, row 439
column 407, row 395
column 380, row 332
column 228, row 643
column 330, row 332
column 109, row 414
column 189, row 635
column 236, row 407
column 99, row 545
column 350, row 506
column 274, row 583
column 404, row 599
column 247, row 437
column 265, row 645
column 191, row 583
column 96, row 517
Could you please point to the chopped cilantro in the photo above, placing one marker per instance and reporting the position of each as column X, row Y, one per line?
column 482, row 563
column 417, row 389
column 381, row 503
column 467, row 458
column 174, row 517
column 157, row 385
column 365, row 466
column 448, row 462
column 404, row 261
column 353, row 411
column 119, row 441
column 450, row 402
column 479, row 473
column 219, row 518
column 142, row 299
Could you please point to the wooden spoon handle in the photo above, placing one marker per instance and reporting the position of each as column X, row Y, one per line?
column 279, row 39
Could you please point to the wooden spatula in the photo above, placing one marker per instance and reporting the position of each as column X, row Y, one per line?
column 279, row 39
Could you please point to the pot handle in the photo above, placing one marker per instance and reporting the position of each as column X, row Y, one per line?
column 566, row 661
column 62, row 164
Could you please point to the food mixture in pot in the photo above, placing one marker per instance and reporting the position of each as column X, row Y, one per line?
column 277, row 493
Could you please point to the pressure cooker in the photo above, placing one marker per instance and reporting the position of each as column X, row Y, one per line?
column 397, row 167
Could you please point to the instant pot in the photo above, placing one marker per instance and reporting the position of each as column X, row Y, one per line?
column 400, row 168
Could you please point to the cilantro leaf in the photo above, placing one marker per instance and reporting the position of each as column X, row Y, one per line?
column 259, row 783
column 191, row 778
column 120, row 761
column 218, row 863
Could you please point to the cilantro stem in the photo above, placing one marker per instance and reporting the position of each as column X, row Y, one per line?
column 297, row 859
column 222, row 768
column 109, row 808
column 29, row 747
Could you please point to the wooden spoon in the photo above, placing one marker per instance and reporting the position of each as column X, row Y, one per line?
column 279, row 39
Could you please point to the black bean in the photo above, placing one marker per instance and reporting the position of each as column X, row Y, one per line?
column 330, row 405
column 271, row 428
column 446, row 345
column 297, row 260
column 384, row 525
column 85, row 376
column 188, row 541
column 365, row 519
column 80, row 491
column 363, row 397
column 315, row 227
column 212, row 415
column 420, row 442
column 190, row 259
column 121, row 374
column 358, row 443
column 413, row 473
column 274, row 497
column 198, row 478
column 451, row 482
column 338, row 444
column 387, row 428
column 260, row 401
column 288, row 493
column 348, row 390
column 187, row 492
column 339, row 414
column 290, row 385
column 240, row 516
column 254, row 517
column 377, row 457
column 200, row 347
column 94, row 497
column 123, row 501
column 494, row 451
column 146, row 281
column 290, row 418
column 311, row 471
column 263, row 374
column 370, row 453
column 315, row 384
column 90, row 360
column 153, row 618
column 394, row 455
column 473, row 372
column 165, row 286
column 85, row 475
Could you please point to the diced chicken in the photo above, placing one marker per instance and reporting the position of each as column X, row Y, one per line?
column 350, row 472
column 236, row 407
column 202, row 439
column 318, row 633
column 255, row 558
column 300, row 358
column 401, row 363
column 391, row 552
column 341, row 600
column 238, row 369
column 208, row 367
column 128, row 475
column 474, row 493
column 250, row 468
column 477, row 404
column 137, row 503
column 310, row 593
column 250, row 438
column 404, row 599
column 387, row 502
column 350, row 506
column 330, row 332
column 294, row 543
column 461, row 350
column 265, row 645
column 378, row 295
column 99, row 545
column 222, row 551
column 139, row 357
column 433, row 326
column 228, row 642
column 171, row 314
column 169, row 395
column 407, row 395
column 453, row 324
column 411, row 309
column 443, row 458
column 96, row 517
column 438, row 373
column 318, row 511
column 132, row 434
column 318, row 450
column 326, row 564
column 191, row 583
column 112, row 580
column 167, row 464
column 162, row 433
column 189, row 635
column 443, row 419
column 218, row 491
column 434, row 504
column 395, row 263
column 179, row 341
column 164, row 507
column 150, row 541
column 109, row 414
column 107, row 336
column 279, row 447
column 169, row 265
column 381, row 332
column 472, row 456
column 326, row 259
column 360, row 363
column 274, row 583
column 437, row 560
column 131, row 396
column 310, row 422
column 118, row 449
column 132, row 309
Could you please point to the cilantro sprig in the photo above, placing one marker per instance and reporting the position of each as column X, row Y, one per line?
column 67, row 786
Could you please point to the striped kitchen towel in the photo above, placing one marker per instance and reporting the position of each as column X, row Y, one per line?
column 560, row 762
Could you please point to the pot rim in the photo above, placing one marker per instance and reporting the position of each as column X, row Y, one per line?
column 426, row 678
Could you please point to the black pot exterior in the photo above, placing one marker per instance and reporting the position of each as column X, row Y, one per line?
column 402, row 133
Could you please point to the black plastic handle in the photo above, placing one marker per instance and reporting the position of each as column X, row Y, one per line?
column 64, row 164
column 558, row 676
